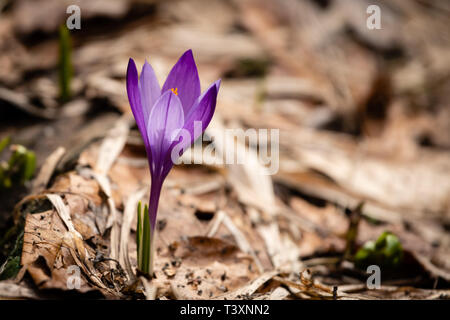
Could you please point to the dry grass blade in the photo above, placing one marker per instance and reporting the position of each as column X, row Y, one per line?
column 110, row 149
column 47, row 169
column 128, row 216
column 63, row 212
column 112, row 146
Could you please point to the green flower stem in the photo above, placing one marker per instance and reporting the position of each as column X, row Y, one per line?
column 144, row 240
column 65, row 63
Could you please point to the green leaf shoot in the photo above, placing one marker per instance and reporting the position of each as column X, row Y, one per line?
column 65, row 63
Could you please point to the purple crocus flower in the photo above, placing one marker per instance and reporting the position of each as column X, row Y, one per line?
column 162, row 114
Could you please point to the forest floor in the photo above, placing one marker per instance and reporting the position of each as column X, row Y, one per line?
column 364, row 147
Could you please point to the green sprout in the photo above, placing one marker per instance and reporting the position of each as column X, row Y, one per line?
column 65, row 63
column 10, row 268
column 19, row 168
column 144, row 241
column 4, row 143
column 386, row 251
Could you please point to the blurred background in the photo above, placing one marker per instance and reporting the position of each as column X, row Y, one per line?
column 363, row 114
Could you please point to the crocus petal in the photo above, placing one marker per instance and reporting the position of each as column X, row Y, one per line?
column 149, row 89
column 165, row 121
column 202, row 111
column 134, row 98
column 184, row 78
